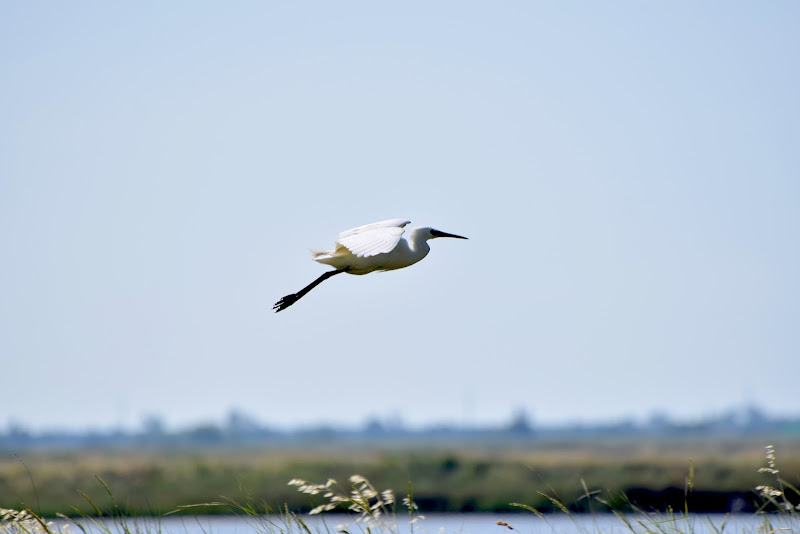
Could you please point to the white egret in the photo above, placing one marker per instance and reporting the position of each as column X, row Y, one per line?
column 372, row 247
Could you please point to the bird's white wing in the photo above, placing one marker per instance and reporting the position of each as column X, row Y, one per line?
column 373, row 239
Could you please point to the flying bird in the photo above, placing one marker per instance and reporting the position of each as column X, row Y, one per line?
column 373, row 247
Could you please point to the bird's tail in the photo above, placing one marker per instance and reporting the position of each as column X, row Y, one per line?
column 320, row 254
column 338, row 252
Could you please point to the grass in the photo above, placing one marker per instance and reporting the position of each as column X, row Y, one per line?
column 377, row 511
column 445, row 480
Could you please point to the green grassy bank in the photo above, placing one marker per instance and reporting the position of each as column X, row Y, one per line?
column 651, row 475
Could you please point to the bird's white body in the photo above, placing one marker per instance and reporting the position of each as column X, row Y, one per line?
column 373, row 247
column 376, row 247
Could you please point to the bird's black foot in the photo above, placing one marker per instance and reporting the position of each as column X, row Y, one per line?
column 285, row 302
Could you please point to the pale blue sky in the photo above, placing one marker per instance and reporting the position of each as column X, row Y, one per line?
column 628, row 174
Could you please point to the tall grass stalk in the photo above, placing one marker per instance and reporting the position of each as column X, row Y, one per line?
column 376, row 511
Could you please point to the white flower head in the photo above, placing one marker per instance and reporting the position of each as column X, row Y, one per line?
column 387, row 496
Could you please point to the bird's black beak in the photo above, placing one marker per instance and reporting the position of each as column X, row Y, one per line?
column 437, row 233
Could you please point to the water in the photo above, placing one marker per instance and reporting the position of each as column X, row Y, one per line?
column 461, row 524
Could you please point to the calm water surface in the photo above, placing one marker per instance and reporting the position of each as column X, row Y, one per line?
column 465, row 524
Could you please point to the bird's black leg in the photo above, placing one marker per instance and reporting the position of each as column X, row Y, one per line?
column 288, row 300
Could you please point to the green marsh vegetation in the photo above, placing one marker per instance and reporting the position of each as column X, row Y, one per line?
column 561, row 480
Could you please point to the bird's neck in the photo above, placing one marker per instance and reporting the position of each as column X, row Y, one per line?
column 418, row 243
